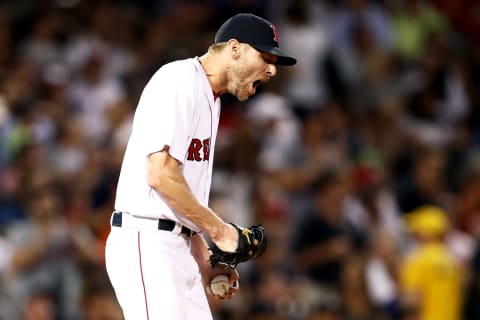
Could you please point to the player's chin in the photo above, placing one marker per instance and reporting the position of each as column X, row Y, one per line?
column 244, row 92
column 242, row 96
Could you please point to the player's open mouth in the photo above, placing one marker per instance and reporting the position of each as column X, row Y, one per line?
column 256, row 83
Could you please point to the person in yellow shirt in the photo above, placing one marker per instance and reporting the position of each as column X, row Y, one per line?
column 430, row 277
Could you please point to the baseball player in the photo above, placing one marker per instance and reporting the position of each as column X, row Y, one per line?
column 156, row 257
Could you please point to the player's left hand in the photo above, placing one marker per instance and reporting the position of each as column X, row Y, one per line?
column 251, row 243
column 233, row 277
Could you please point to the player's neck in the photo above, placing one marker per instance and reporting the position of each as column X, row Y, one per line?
column 214, row 71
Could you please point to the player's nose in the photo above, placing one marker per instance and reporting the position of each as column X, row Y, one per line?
column 271, row 70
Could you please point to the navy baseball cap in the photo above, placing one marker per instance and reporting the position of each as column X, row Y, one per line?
column 257, row 32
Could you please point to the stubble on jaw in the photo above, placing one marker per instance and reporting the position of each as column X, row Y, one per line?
column 236, row 75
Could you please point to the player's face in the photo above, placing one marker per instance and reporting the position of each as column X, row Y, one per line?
column 252, row 69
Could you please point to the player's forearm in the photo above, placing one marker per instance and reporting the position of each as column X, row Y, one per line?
column 165, row 177
column 178, row 197
column 199, row 250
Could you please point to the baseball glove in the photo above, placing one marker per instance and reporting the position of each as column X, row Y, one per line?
column 247, row 248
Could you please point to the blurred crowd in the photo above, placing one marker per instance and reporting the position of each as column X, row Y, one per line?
column 362, row 161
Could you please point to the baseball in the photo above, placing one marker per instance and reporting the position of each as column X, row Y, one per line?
column 220, row 285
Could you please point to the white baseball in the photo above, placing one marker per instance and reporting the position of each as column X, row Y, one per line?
column 220, row 285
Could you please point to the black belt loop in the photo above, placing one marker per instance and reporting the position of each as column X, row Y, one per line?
column 163, row 224
column 117, row 219
column 167, row 225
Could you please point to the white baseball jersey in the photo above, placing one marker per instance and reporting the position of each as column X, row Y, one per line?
column 176, row 109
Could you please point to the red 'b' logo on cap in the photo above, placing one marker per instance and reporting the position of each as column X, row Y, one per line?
column 275, row 33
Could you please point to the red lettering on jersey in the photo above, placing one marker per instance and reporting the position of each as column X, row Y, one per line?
column 194, row 150
column 206, row 149
column 275, row 33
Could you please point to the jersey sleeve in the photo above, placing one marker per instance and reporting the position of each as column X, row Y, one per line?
column 165, row 113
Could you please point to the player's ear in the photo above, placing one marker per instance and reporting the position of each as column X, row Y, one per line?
column 234, row 48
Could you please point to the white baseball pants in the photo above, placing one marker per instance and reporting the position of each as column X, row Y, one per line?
column 154, row 275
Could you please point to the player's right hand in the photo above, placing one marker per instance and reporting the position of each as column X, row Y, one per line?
column 233, row 277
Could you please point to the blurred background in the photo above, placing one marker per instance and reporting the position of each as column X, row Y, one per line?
column 362, row 161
